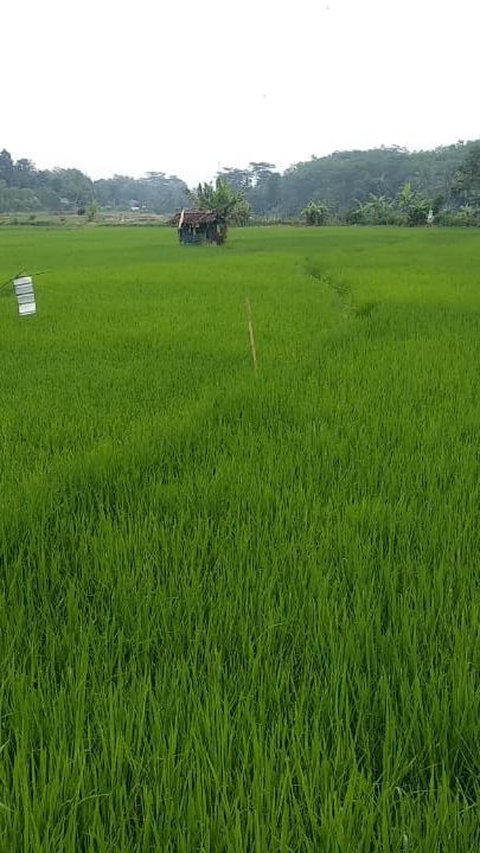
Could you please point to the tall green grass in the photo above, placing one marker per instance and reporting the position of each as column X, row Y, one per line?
column 240, row 613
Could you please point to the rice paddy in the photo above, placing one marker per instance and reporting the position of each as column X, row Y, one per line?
column 239, row 609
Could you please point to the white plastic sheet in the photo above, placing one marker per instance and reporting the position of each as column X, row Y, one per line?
column 24, row 292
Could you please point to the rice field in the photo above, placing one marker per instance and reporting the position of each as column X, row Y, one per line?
column 239, row 611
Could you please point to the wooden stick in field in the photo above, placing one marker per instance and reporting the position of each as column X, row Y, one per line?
column 251, row 334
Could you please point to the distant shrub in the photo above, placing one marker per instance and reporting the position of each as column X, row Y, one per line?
column 242, row 213
column 414, row 206
column 463, row 217
column 377, row 210
column 315, row 213
column 91, row 211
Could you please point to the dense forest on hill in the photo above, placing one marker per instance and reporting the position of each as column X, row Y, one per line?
column 342, row 181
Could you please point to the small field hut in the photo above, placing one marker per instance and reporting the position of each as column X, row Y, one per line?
column 200, row 226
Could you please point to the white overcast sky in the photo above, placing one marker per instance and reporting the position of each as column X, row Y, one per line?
column 184, row 87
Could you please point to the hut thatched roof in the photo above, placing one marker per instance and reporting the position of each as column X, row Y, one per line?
column 196, row 217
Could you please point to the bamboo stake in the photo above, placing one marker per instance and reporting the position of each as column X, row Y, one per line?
column 251, row 334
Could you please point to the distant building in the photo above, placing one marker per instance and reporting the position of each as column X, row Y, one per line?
column 200, row 226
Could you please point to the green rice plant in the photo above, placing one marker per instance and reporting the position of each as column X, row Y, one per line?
column 239, row 612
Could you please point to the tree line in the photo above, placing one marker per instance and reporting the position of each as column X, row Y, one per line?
column 381, row 186
column 25, row 188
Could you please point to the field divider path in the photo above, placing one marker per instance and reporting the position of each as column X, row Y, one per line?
column 342, row 291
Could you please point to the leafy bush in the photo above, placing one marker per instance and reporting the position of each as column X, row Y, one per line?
column 315, row 213
column 463, row 217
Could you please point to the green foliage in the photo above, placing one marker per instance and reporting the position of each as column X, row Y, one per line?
column 409, row 208
column 155, row 192
column 467, row 179
column 239, row 613
column 242, row 213
column 76, row 188
column 220, row 197
column 348, row 182
column 346, row 178
column 414, row 206
column 462, row 217
column 315, row 213
column 438, row 204
column 91, row 211
column 223, row 199
column 24, row 188
column 239, row 179
column 378, row 210
column 6, row 167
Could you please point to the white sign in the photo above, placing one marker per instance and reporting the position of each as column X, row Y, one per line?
column 23, row 288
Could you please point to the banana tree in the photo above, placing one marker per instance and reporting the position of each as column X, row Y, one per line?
column 218, row 197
